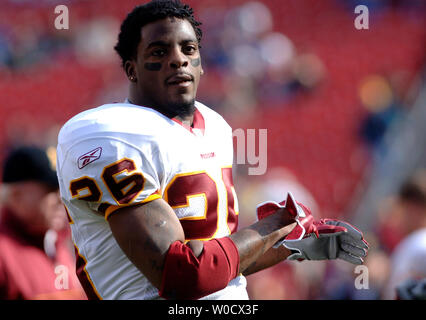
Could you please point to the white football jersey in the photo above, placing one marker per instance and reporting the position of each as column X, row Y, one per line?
column 122, row 154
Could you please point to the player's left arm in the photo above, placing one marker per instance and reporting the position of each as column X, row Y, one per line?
column 270, row 258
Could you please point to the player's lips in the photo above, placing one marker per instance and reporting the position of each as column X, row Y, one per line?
column 180, row 79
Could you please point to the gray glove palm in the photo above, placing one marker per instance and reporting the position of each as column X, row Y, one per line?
column 347, row 245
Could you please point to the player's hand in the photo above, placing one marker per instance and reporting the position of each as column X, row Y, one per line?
column 347, row 244
column 317, row 240
column 305, row 221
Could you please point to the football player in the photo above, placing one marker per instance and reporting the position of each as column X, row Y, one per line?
column 148, row 183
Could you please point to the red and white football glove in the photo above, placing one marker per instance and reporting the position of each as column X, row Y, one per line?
column 317, row 240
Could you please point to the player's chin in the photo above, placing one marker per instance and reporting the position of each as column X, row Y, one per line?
column 182, row 98
column 181, row 106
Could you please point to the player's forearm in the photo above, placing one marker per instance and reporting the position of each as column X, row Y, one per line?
column 254, row 241
column 269, row 259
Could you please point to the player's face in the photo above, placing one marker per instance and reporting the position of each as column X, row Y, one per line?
column 168, row 66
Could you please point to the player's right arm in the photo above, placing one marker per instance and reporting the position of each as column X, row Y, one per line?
column 153, row 239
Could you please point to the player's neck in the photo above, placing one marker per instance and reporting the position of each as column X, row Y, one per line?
column 188, row 120
column 184, row 115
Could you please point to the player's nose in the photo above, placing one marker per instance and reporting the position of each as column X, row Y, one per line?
column 178, row 59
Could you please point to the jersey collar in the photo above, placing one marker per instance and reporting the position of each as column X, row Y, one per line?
column 198, row 124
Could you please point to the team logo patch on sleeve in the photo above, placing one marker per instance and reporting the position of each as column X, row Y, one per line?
column 89, row 157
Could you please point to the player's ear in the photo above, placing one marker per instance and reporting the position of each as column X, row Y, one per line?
column 130, row 68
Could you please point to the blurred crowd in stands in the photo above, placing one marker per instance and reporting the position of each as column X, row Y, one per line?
column 326, row 92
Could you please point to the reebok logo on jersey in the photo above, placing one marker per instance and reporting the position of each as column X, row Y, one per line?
column 89, row 157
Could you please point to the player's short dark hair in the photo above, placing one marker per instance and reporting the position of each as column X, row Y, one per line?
column 130, row 31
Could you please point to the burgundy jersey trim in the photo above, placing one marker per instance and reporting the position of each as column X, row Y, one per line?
column 84, row 278
column 198, row 122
